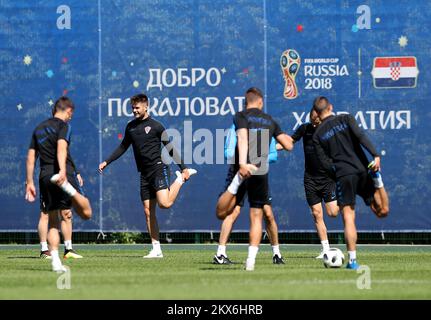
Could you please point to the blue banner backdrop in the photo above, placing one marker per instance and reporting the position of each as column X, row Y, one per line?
column 195, row 59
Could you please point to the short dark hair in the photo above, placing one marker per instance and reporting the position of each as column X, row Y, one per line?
column 320, row 104
column 62, row 104
column 252, row 95
column 138, row 98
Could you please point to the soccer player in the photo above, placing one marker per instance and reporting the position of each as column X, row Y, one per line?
column 234, row 211
column 319, row 186
column 58, row 191
column 66, row 222
column 146, row 135
column 339, row 142
column 255, row 130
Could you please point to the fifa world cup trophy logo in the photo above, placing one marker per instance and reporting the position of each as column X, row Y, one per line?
column 290, row 62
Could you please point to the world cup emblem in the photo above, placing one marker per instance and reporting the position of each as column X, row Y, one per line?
column 290, row 63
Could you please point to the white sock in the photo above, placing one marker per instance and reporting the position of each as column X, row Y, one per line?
column 325, row 245
column 68, row 244
column 156, row 246
column 221, row 250
column 234, row 185
column 44, row 246
column 276, row 250
column 66, row 186
column 55, row 257
column 179, row 178
column 252, row 252
column 352, row 255
column 377, row 179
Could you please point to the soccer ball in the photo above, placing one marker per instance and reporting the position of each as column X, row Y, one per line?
column 334, row 258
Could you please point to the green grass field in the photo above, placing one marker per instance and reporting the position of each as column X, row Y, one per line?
column 186, row 272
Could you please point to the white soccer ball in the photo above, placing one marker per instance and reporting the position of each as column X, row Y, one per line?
column 333, row 258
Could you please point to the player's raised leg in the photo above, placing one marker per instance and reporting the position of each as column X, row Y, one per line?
column 166, row 197
column 332, row 209
column 227, row 201
column 380, row 203
column 225, row 205
column 80, row 203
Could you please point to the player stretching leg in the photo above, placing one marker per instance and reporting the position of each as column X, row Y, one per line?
column 50, row 141
column 338, row 141
column 319, row 186
column 146, row 136
column 229, row 220
column 66, row 226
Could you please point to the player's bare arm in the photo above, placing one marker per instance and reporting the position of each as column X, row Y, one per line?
column 244, row 170
column 61, row 158
column 285, row 141
column 30, row 189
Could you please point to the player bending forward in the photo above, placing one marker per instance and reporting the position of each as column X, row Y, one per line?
column 339, row 141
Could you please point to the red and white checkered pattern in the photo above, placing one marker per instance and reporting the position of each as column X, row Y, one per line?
column 395, row 70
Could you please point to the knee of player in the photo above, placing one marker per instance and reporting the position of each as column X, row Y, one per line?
column 66, row 214
column 383, row 212
column 44, row 216
column 317, row 213
column 147, row 212
column 333, row 212
column 87, row 214
column 221, row 215
column 269, row 218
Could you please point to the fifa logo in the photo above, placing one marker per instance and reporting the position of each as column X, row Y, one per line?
column 290, row 63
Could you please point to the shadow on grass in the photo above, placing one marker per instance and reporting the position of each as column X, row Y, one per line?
column 46, row 269
column 221, row 268
column 115, row 256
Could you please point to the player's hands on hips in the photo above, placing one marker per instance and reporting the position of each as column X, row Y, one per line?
column 103, row 166
column 30, row 192
column 376, row 166
column 186, row 175
column 61, row 178
column 80, row 180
